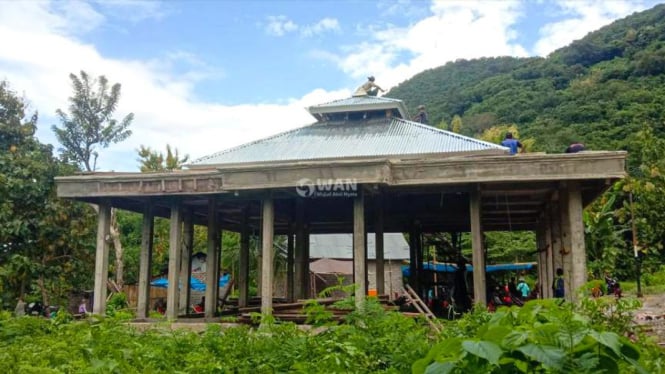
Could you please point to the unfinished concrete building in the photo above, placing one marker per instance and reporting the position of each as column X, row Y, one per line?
column 361, row 167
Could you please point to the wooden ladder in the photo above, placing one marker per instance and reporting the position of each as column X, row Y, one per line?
column 422, row 308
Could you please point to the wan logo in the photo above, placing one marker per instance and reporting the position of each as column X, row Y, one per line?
column 327, row 188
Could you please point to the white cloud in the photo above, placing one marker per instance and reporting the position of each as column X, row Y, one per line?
column 134, row 10
column 282, row 25
column 324, row 25
column 580, row 18
column 279, row 25
column 162, row 101
column 453, row 30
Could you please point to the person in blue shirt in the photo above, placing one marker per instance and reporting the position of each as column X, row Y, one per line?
column 512, row 144
column 558, row 284
column 523, row 288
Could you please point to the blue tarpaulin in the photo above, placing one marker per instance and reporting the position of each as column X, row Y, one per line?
column 451, row 268
column 194, row 283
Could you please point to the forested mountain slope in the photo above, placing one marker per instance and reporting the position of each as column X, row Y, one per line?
column 599, row 90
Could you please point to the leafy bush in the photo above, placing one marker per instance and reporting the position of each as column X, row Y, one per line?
column 539, row 337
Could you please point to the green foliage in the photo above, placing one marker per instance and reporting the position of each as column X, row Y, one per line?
column 316, row 313
column 605, row 90
column 151, row 160
column 609, row 313
column 373, row 342
column 89, row 124
column 44, row 242
column 539, row 337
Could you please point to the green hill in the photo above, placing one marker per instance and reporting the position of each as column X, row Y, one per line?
column 599, row 90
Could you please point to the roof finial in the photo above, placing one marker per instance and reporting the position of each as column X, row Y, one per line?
column 368, row 88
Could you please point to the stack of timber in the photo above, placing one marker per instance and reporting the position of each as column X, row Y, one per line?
column 295, row 312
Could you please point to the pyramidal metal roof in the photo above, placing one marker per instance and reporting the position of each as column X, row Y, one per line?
column 359, row 103
column 353, row 136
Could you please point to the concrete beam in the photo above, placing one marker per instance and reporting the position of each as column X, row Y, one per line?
column 175, row 238
column 101, row 259
column 426, row 170
column 145, row 262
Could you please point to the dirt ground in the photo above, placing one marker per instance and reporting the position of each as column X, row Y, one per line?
column 652, row 316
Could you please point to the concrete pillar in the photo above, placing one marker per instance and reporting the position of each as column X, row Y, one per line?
column 289, row 265
column 566, row 243
column 268, row 224
column 359, row 254
column 413, row 259
column 175, row 238
column 542, row 257
column 145, row 261
column 479, row 284
column 300, row 277
column 578, row 270
column 243, row 263
column 212, row 260
column 378, row 242
column 307, row 288
column 555, row 224
column 101, row 259
column 549, row 260
column 186, row 261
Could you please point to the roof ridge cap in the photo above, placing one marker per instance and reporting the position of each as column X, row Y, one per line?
column 450, row 133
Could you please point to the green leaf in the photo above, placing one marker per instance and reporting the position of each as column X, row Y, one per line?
column 608, row 339
column 484, row 349
column 629, row 350
column 440, row 368
column 515, row 339
column 496, row 334
column 547, row 355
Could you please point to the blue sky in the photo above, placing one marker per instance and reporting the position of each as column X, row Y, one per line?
column 207, row 75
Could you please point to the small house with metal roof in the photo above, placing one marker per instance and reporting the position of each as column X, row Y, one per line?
column 362, row 167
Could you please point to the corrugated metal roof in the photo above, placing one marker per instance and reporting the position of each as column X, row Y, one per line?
column 322, row 140
column 357, row 100
column 340, row 246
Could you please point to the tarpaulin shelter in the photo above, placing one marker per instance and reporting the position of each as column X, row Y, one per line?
column 451, row 268
column 194, row 283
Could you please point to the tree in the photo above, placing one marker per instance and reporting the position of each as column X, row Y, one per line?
column 154, row 161
column 89, row 126
column 456, row 124
column 42, row 239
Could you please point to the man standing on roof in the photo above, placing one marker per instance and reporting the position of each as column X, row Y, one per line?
column 369, row 88
column 511, row 143
column 421, row 116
